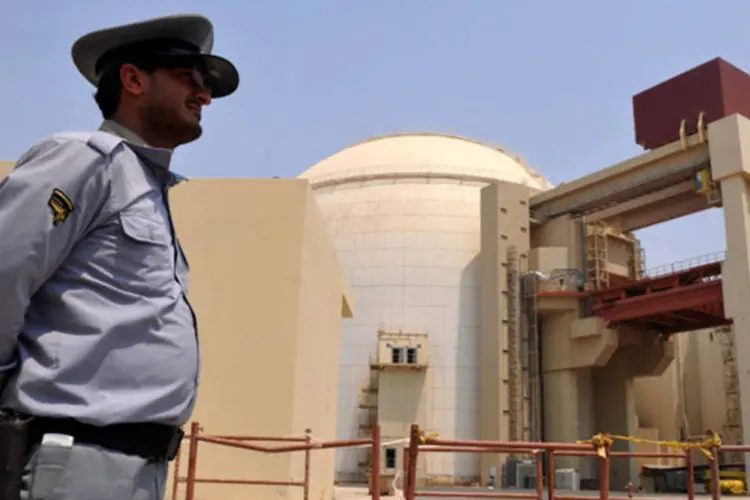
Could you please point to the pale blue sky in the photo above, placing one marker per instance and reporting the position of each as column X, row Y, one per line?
column 551, row 80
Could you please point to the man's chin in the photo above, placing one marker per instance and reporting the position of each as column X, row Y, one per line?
column 190, row 132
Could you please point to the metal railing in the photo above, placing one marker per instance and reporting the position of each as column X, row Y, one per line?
column 304, row 444
column 544, row 453
column 599, row 447
column 684, row 265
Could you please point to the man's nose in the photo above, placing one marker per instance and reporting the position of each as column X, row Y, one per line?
column 204, row 96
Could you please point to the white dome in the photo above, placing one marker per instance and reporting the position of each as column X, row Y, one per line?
column 424, row 155
column 404, row 214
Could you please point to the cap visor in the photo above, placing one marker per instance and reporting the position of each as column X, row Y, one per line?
column 223, row 74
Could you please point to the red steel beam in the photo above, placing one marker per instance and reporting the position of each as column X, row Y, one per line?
column 657, row 284
column 677, row 299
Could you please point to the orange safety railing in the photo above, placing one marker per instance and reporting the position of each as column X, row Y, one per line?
column 305, row 444
column 419, row 443
column 598, row 447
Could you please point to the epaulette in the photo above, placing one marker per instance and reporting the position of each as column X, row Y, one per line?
column 103, row 142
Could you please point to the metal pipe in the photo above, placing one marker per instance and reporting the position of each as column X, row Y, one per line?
column 691, row 474
column 176, row 475
column 471, row 449
column 190, row 479
column 267, row 439
column 306, row 484
column 551, row 474
column 626, row 454
column 414, row 439
column 539, row 462
column 248, row 482
column 510, row 444
column 405, row 476
column 604, row 473
column 233, row 443
column 375, row 472
column 715, row 485
column 540, row 377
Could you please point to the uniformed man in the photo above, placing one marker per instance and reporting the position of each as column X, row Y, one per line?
column 98, row 342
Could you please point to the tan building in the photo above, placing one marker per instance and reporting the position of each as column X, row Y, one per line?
column 269, row 295
column 465, row 265
column 440, row 236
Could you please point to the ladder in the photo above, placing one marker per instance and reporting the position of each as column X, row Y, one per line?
column 597, row 256
column 515, row 419
column 732, row 429
column 531, row 327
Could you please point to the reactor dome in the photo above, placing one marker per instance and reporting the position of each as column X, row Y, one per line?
column 404, row 215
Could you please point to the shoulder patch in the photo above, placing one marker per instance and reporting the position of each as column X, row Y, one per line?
column 61, row 206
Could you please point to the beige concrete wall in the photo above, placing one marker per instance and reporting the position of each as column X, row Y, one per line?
column 5, row 168
column 548, row 259
column 404, row 398
column 620, row 253
column 267, row 290
column 730, row 169
column 692, row 394
column 504, row 232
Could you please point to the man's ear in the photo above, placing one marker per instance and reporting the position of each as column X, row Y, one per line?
column 133, row 80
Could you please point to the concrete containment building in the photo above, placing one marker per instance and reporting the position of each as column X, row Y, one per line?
column 404, row 214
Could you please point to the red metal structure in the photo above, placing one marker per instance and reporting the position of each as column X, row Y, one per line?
column 682, row 299
column 304, row 444
column 714, row 89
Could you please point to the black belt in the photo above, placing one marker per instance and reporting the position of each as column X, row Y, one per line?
column 148, row 440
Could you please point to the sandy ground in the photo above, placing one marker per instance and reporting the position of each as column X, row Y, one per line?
column 360, row 493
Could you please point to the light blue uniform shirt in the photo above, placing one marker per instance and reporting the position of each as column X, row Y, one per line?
column 95, row 323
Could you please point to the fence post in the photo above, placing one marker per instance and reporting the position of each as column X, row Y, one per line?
column 176, row 475
column 551, row 473
column 539, row 456
column 306, row 485
column 604, row 473
column 195, row 429
column 375, row 472
column 413, row 453
column 405, row 472
column 715, row 485
column 691, row 474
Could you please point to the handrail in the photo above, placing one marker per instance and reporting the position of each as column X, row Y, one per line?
column 598, row 447
column 305, row 444
column 684, row 265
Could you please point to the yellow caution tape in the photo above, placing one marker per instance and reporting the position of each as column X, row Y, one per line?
column 603, row 441
column 732, row 486
column 423, row 436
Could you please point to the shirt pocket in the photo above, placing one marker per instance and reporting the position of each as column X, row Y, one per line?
column 145, row 254
column 145, row 228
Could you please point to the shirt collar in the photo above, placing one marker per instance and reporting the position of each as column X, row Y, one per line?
column 161, row 158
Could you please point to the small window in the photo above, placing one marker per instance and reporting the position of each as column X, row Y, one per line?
column 390, row 458
column 411, row 355
column 397, row 355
